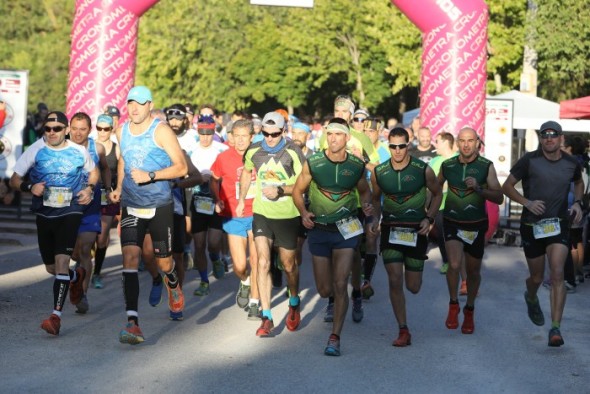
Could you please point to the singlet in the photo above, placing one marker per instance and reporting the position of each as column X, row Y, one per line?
column 141, row 151
column 228, row 168
column 404, row 192
column 359, row 145
column 548, row 181
column 274, row 169
column 331, row 191
column 203, row 158
column 435, row 164
column 464, row 205
column 59, row 168
column 112, row 162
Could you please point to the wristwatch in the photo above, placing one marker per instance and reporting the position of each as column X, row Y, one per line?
column 430, row 220
column 280, row 191
column 152, row 176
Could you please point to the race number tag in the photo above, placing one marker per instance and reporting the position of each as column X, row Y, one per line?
column 349, row 227
column 467, row 236
column 403, row 236
column 546, row 228
column 142, row 213
column 251, row 190
column 103, row 197
column 204, row 205
column 57, row 197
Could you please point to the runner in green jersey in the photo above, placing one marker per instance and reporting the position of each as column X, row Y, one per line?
column 403, row 181
column 332, row 177
column 471, row 181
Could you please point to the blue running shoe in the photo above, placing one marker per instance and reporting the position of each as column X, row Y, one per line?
column 176, row 316
column 156, row 293
column 333, row 346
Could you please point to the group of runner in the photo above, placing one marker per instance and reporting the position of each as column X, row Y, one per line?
column 355, row 197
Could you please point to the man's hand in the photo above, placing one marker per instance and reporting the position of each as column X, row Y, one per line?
column 537, row 207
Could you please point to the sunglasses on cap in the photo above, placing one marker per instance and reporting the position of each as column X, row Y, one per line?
column 549, row 134
column 398, row 146
column 55, row 129
column 272, row 135
column 358, row 120
column 175, row 113
column 104, row 128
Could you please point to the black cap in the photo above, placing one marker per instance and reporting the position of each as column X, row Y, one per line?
column 189, row 108
column 112, row 111
column 551, row 125
column 56, row 116
column 176, row 111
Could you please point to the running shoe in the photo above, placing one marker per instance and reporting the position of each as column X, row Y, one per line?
column 329, row 315
column 97, row 282
column 265, row 328
column 367, row 290
column 52, row 324
column 187, row 259
column 176, row 316
column 357, row 309
column 534, row 310
column 463, row 289
column 225, row 264
column 156, row 293
column 175, row 297
column 76, row 290
column 444, row 268
column 131, row 334
column 547, row 284
column 569, row 287
column 555, row 338
column 82, row 306
column 218, row 269
column 202, row 290
column 404, row 338
column 254, row 312
column 293, row 317
column 333, row 346
column 468, row 324
column 243, row 295
column 452, row 322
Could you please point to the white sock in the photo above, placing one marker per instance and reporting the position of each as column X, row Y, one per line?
column 246, row 282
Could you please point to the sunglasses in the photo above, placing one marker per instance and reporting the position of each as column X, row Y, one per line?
column 272, row 135
column 358, row 120
column 55, row 129
column 399, row 146
column 175, row 112
column 103, row 128
column 549, row 134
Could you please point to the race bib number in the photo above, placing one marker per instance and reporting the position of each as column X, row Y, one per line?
column 142, row 213
column 403, row 236
column 251, row 191
column 467, row 236
column 57, row 197
column 349, row 227
column 546, row 228
column 103, row 197
column 204, row 205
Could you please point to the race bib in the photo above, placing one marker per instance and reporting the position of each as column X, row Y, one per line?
column 204, row 205
column 142, row 213
column 251, row 190
column 403, row 236
column 349, row 227
column 546, row 228
column 57, row 197
column 467, row 236
column 103, row 197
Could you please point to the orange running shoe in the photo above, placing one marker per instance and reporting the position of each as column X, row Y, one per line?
column 453, row 316
column 468, row 325
column 265, row 328
column 131, row 334
column 76, row 289
column 52, row 324
column 175, row 297
column 404, row 338
column 463, row 289
column 293, row 317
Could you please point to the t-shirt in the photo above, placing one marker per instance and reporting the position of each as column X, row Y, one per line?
column 274, row 169
column 424, row 155
column 203, row 158
column 359, row 145
column 548, row 181
column 228, row 168
column 435, row 164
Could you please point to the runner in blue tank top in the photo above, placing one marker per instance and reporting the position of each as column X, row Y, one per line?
column 150, row 158
column 61, row 177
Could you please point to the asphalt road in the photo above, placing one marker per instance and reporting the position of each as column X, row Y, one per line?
column 215, row 348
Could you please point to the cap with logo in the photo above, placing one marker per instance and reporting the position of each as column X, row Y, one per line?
column 206, row 125
column 112, row 111
column 56, row 116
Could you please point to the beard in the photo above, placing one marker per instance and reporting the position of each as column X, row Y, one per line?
column 179, row 129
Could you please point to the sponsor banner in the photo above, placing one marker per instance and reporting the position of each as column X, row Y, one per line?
column 14, row 85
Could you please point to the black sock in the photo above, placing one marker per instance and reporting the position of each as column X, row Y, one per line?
column 330, row 300
column 453, row 301
column 61, row 284
column 469, row 307
column 356, row 293
column 156, row 280
column 172, row 279
column 402, row 326
column 369, row 267
column 99, row 259
column 131, row 290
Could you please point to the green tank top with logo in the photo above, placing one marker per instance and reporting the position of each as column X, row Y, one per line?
column 332, row 192
column 404, row 192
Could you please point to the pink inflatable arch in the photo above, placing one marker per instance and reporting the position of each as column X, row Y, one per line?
column 104, row 44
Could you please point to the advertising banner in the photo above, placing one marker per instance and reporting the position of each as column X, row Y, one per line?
column 14, row 85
